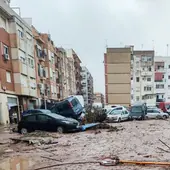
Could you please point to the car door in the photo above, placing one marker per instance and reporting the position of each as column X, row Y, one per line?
column 126, row 115
column 30, row 122
column 156, row 113
column 149, row 113
column 44, row 122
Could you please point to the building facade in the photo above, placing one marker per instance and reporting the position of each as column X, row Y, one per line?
column 162, row 78
column 87, row 86
column 117, row 63
column 19, row 54
column 142, row 77
column 71, row 72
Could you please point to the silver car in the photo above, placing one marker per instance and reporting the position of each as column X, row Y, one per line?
column 153, row 113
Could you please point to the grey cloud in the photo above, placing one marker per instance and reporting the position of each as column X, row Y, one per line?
column 85, row 25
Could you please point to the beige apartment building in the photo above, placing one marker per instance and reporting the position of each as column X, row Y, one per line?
column 117, row 63
column 20, row 76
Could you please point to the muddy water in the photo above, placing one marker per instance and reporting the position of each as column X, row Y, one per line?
column 15, row 164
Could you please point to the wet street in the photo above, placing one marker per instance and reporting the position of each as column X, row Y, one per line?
column 137, row 140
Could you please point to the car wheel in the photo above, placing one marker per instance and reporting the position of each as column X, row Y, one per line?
column 24, row 131
column 164, row 117
column 119, row 120
column 60, row 129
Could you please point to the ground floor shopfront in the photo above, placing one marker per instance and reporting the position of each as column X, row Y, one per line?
column 9, row 105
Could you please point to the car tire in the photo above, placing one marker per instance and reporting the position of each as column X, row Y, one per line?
column 60, row 129
column 119, row 120
column 165, row 117
column 24, row 131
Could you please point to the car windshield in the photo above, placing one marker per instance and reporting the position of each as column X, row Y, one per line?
column 136, row 109
column 115, row 112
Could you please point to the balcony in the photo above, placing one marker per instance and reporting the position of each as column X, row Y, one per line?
column 41, row 59
column 39, row 39
column 146, row 73
column 163, row 70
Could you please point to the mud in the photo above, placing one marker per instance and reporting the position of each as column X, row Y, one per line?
column 138, row 140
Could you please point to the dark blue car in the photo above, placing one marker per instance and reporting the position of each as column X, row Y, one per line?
column 70, row 107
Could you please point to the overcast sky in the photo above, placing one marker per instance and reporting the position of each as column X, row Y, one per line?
column 86, row 26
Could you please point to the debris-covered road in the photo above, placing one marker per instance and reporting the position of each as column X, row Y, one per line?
column 137, row 140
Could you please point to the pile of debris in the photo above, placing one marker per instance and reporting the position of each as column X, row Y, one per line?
column 94, row 115
column 36, row 138
column 109, row 127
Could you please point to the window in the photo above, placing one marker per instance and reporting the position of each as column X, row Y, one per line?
column 6, row 51
column 163, row 76
column 31, row 118
column 148, row 79
column 74, row 102
column 137, row 79
column 169, row 66
column 156, row 111
column 146, row 88
column 168, row 86
column 119, row 108
column 116, row 112
column 8, row 77
column 23, row 59
column 168, row 77
column 159, row 86
column 137, row 98
column 149, row 69
column 20, row 34
column 43, row 118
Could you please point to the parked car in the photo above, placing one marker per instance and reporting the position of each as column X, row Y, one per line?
column 34, row 111
column 70, row 107
column 153, row 113
column 138, row 111
column 118, row 115
column 164, row 106
column 115, row 107
column 46, row 122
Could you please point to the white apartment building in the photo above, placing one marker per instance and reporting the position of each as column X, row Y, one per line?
column 142, row 77
column 162, row 78
column 87, row 86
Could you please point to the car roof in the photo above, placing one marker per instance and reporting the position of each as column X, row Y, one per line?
column 138, row 103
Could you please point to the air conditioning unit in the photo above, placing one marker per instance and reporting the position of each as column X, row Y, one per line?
column 6, row 56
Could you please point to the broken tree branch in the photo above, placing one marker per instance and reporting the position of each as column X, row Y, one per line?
column 164, row 143
column 163, row 150
column 53, row 159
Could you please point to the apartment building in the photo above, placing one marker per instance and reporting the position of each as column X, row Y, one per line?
column 87, row 86
column 17, row 51
column 71, row 71
column 162, row 78
column 52, row 83
column 117, row 63
column 142, row 77
column 99, row 98
column 8, row 98
column 77, row 67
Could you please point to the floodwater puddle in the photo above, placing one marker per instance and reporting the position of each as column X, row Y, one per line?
column 17, row 163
